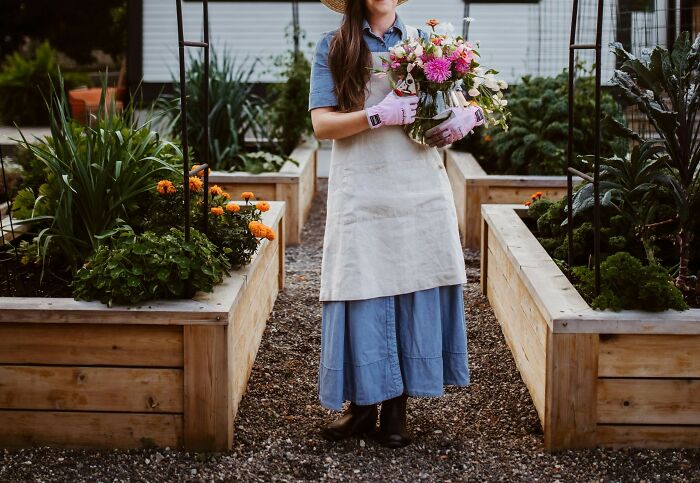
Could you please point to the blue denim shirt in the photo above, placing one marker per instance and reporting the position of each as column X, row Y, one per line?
column 322, row 90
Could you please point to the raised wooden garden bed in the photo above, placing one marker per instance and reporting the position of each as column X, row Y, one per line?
column 295, row 185
column 165, row 373
column 473, row 187
column 596, row 378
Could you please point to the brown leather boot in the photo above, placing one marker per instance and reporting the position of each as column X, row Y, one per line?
column 392, row 423
column 355, row 420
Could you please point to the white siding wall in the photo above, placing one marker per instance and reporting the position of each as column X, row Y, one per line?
column 508, row 33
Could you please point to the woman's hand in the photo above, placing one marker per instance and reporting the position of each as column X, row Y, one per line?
column 393, row 111
column 459, row 124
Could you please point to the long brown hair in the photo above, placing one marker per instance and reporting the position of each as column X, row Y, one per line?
column 349, row 59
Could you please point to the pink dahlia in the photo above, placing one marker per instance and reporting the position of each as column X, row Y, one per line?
column 463, row 66
column 438, row 70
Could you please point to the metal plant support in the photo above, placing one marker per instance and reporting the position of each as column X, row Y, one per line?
column 570, row 170
column 204, row 166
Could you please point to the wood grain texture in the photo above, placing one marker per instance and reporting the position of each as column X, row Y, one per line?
column 658, row 437
column 523, row 326
column 649, row 401
column 484, row 257
column 91, row 389
column 91, row 345
column 648, row 355
column 89, row 430
column 572, row 370
column 208, row 419
column 293, row 223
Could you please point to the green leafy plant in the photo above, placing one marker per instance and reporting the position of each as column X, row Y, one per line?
column 229, row 223
column 626, row 283
column 537, row 138
column 666, row 87
column 264, row 162
column 95, row 176
column 25, row 81
column 234, row 112
column 288, row 111
column 134, row 268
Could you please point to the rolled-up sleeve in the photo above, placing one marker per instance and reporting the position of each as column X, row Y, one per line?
column 322, row 89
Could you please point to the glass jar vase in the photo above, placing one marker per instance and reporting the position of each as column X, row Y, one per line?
column 434, row 102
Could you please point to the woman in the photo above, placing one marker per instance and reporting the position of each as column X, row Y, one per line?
column 392, row 268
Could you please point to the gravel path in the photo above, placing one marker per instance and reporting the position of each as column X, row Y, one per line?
column 487, row 432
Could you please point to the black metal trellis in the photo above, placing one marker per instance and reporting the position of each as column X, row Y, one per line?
column 570, row 170
column 204, row 166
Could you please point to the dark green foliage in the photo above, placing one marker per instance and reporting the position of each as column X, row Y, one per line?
column 96, row 177
column 628, row 284
column 25, row 82
column 234, row 111
column 231, row 234
column 666, row 87
column 537, row 138
column 288, row 115
column 134, row 268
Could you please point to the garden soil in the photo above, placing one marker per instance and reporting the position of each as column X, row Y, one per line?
column 488, row 431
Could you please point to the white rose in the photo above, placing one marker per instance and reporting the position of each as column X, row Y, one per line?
column 474, row 92
column 399, row 52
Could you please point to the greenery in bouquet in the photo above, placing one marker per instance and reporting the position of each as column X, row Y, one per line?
column 443, row 67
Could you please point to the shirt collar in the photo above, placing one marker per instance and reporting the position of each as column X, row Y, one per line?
column 398, row 24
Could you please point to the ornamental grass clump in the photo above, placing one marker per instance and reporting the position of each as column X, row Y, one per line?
column 95, row 179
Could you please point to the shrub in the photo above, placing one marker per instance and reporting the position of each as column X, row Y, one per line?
column 134, row 268
column 628, row 284
column 234, row 111
column 24, row 82
column 96, row 177
column 537, row 139
column 264, row 162
column 288, row 114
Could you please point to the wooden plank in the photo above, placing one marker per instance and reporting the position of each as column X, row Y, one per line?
column 520, row 194
column 208, row 419
column 649, row 401
column 13, row 230
column 92, row 430
column 484, row 257
column 523, row 326
column 289, row 193
column 669, row 322
column 658, row 437
column 570, row 416
column 262, row 191
column 649, row 356
column 91, row 345
column 91, row 389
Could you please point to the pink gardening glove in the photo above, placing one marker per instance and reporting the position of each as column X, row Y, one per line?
column 393, row 111
column 458, row 125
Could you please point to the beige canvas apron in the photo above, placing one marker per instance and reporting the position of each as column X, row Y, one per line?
column 391, row 225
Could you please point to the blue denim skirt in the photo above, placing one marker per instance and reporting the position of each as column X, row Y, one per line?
column 376, row 349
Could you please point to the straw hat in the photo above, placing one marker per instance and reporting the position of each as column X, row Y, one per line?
column 339, row 5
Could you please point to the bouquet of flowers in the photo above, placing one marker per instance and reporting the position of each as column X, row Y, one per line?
column 440, row 70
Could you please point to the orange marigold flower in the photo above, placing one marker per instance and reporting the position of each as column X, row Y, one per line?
column 246, row 195
column 165, row 187
column 536, row 196
column 433, row 22
column 233, row 207
column 258, row 229
column 217, row 210
column 262, row 205
column 226, row 195
column 528, row 203
column 196, row 184
column 270, row 234
column 215, row 190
